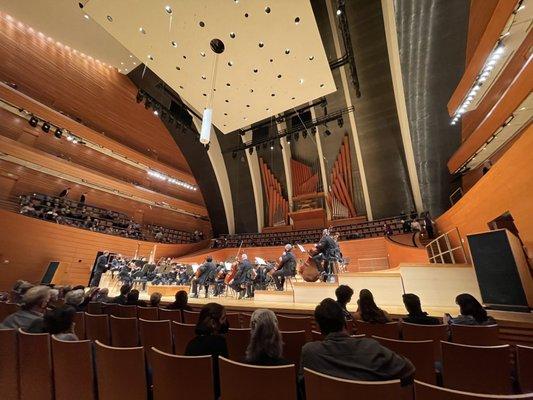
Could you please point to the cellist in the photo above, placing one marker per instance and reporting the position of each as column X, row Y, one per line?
column 286, row 267
column 242, row 278
column 204, row 275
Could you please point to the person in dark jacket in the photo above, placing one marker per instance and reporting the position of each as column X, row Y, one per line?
column 266, row 346
column 180, row 302
column 132, row 299
column 344, row 294
column 205, row 275
column 243, row 280
column 472, row 312
column 286, row 267
column 326, row 249
column 368, row 310
column 99, row 268
column 210, row 329
column 416, row 315
column 346, row 357
column 123, row 296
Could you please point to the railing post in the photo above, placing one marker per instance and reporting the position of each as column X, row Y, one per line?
column 449, row 247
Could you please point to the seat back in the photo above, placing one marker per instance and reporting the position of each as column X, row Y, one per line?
column 425, row 391
column 292, row 346
column 7, row 309
column 474, row 335
column 120, row 372
column 237, row 379
column 94, row 308
column 147, row 313
column 124, row 331
column 35, row 366
column 316, row 336
column 9, row 364
column 291, row 324
column 237, row 340
column 73, row 369
column 389, row 330
column 234, row 320
column 170, row 315
column 524, row 361
column 97, row 328
column 127, row 311
column 245, row 320
column 420, row 353
column 182, row 334
column 110, row 309
column 415, row 332
column 479, row 369
column 191, row 377
column 190, row 317
column 155, row 334
column 319, row 386
column 79, row 325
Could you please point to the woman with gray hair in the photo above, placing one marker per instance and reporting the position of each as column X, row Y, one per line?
column 266, row 346
column 75, row 298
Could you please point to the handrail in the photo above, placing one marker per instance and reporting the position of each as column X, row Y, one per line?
column 434, row 257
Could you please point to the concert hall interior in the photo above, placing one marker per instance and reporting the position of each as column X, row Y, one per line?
column 332, row 197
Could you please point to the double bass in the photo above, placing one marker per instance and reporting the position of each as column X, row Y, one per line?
column 309, row 269
column 233, row 269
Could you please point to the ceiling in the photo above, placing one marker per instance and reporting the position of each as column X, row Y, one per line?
column 65, row 22
column 274, row 59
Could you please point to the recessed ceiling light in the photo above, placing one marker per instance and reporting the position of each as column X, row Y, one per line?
column 339, row 12
column 150, row 57
column 321, row 85
column 279, row 75
column 174, row 44
column 245, row 15
column 256, row 70
column 142, row 30
column 131, row 56
column 178, row 68
column 121, row 63
column 86, row 16
column 251, row 90
column 261, row 44
column 293, row 98
column 202, row 54
column 301, row 81
column 225, row 114
column 181, row 87
column 134, row 63
column 311, row 58
column 230, row 63
column 267, row 109
column 228, row 84
column 267, row 10
column 227, row 101
column 204, row 94
column 184, row 57
column 273, row 94
column 232, row 35
column 297, row 20
column 168, row 9
column 203, row 77
column 248, row 105
column 287, row 51
column 201, row 23
column 245, row 118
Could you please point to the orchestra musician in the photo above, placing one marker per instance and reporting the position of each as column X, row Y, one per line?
column 286, row 267
column 326, row 248
column 220, row 277
column 243, row 278
column 100, row 268
column 205, row 274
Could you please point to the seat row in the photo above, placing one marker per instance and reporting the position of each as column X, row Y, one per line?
column 40, row 367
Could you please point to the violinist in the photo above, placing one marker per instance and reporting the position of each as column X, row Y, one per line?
column 286, row 267
column 205, row 274
column 242, row 280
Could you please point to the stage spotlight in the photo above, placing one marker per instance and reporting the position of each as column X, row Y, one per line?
column 340, row 122
column 147, row 104
column 46, row 127
column 140, row 97
column 327, row 132
column 58, row 133
column 313, row 130
column 272, row 145
column 304, row 134
column 234, row 154
column 251, row 150
column 33, row 121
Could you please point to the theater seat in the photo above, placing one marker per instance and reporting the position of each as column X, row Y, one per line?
column 7, row 309
column 237, row 340
column 425, row 391
column 182, row 334
column 120, row 373
column 524, row 361
column 155, row 334
column 319, row 387
column 9, row 365
column 35, row 366
column 94, row 308
column 73, row 369
column 420, row 353
column 291, row 324
column 478, row 369
column 485, row 335
column 292, row 346
column 245, row 320
column 170, row 315
column 124, row 332
column 79, row 325
column 110, row 309
column 190, row 317
column 191, row 377
column 389, row 330
column 147, row 313
column 126, row 311
column 243, row 381
column 97, row 328
column 234, row 320
column 436, row 333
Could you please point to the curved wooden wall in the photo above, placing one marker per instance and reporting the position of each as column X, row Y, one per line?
column 28, row 245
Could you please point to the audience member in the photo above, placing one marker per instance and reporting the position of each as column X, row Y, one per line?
column 368, row 311
column 75, row 299
column 472, row 312
column 122, row 297
column 19, row 289
column 155, row 299
column 132, row 299
column 180, row 302
column 415, row 313
column 347, row 357
column 210, row 329
column 102, row 296
column 58, row 322
column 266, row 346
column 34, row 303
column 344, row 294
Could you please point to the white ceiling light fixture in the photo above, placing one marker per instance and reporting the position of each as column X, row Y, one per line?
column 218, row 48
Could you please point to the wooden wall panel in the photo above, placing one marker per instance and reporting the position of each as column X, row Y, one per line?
column 100, row 96
column 480, row 14
column 27, row 246
column 398, row 253
column 508, row 186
